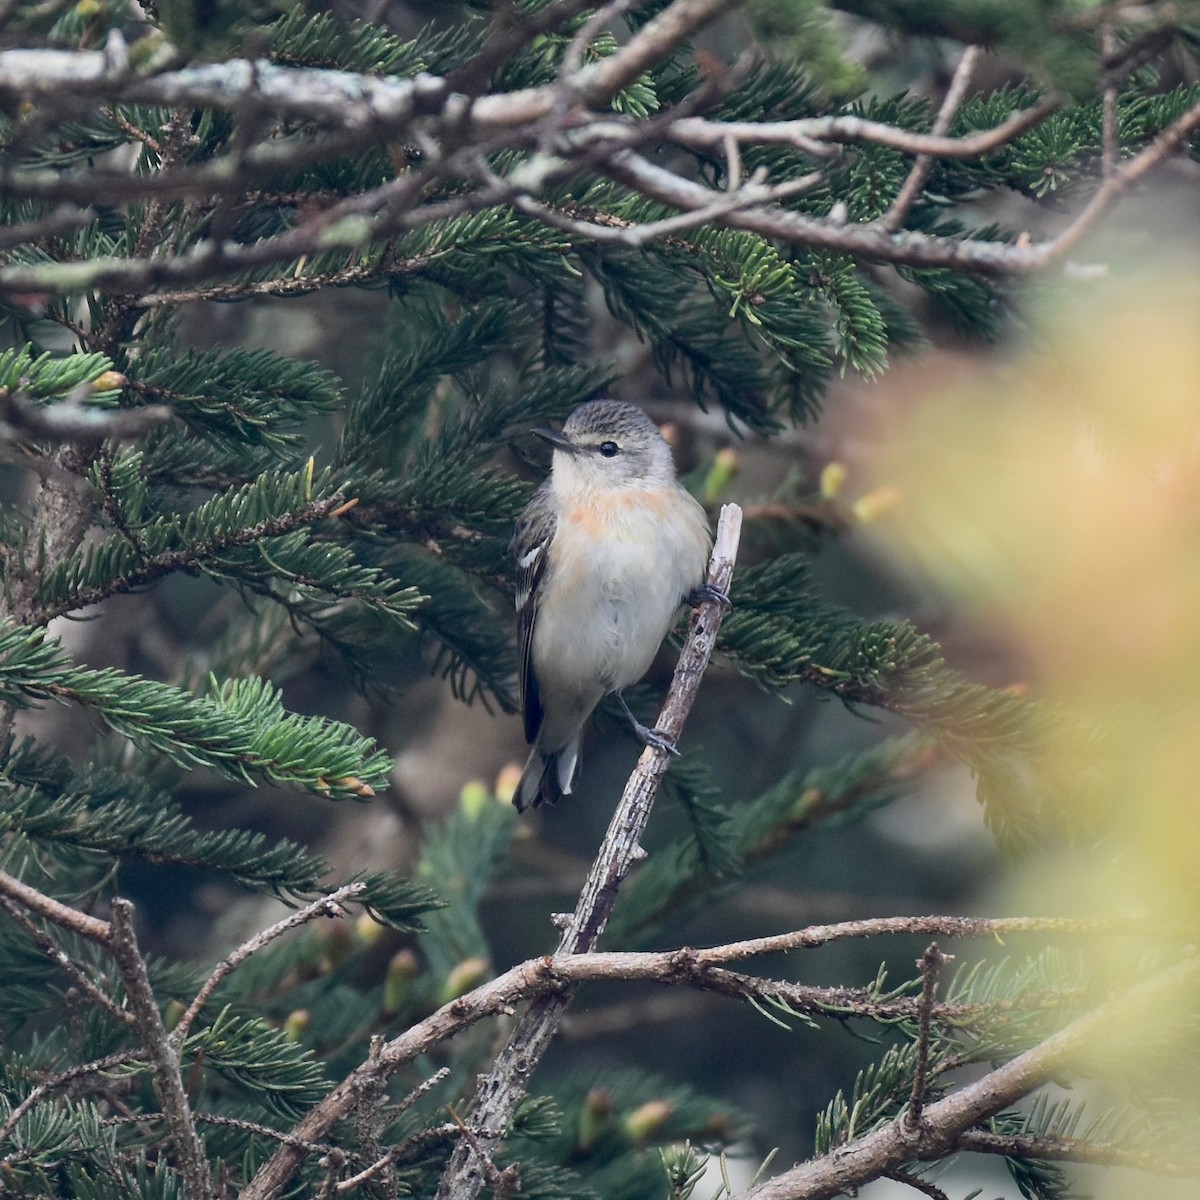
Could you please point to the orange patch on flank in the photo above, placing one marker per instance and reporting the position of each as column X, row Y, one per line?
column 595, row 517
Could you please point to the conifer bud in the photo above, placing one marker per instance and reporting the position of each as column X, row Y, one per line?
column 833, row 479
column 296, row 1024
column 876, row 503
column 397, row 983
column 594, row 1116
column 339, row 944
column 506, row 782
column 367, row 929
column 469, row 973
column 720, row 475
column 648, row 1119
column 109, row 381
column 473, row 798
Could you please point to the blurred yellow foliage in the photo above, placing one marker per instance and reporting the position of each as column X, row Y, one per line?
column 1059, row 500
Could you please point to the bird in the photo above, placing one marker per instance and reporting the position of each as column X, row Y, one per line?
column 607, row 551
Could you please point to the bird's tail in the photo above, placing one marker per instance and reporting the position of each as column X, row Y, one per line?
column 547, row 777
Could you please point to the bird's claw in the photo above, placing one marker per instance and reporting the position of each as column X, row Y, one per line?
column 652, row 737
column 704, row 592
column 646, row 735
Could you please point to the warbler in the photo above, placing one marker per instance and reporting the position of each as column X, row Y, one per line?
column 607, row 551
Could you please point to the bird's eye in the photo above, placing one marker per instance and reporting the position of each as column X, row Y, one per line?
column 610, row 449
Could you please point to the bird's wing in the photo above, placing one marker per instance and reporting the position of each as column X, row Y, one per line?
column 531, row 547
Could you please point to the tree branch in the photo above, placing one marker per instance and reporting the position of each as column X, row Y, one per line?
column 190, row 557
column 919, row 172
column 931, row 964
column 1078, row 1150
column 488, row 123
column 324, row 906
column 894, row 1145
column 62, row 915
column 120, row 1059
column 164, row 1059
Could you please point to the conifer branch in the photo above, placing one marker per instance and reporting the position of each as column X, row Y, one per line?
column 62, row 915
column 895, row 1144
column 190, row 558
column 930, row 963
column 376, row 107
column 59, row 956
column 72, row 421
column 47, row 1087
column 552, row 976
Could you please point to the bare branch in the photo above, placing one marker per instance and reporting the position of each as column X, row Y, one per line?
column 1079, row 1150
column 58, row 914
column 122, row 1058
column 909, row 1179
column 823, row 935
column 801, row 133
column 930, row 963
column 613, row 231
column 73, row 421
column 325, row 906
column 699, row 968
column 955, row 94
column 62, row 959
column 865, row 241
column 164, row 1059
column 62, row 220
column 600, row 81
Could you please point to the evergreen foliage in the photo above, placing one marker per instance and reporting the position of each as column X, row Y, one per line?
column 353, row 531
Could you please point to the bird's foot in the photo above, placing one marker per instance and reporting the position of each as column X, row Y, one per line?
column 646, row 735
column 704, row 592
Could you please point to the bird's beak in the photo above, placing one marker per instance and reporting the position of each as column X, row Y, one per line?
column 559, row 441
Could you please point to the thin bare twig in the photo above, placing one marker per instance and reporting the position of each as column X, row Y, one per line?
column 122, row 1058
column 931, row 964
column 919, row 172
column 911, row 248
column 71, row 420
column 539, row 977
column 164, row 1059
column 324, row 906
column 917, row 1183
column 702, row 132
column 620, row 233
column 62, row 959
